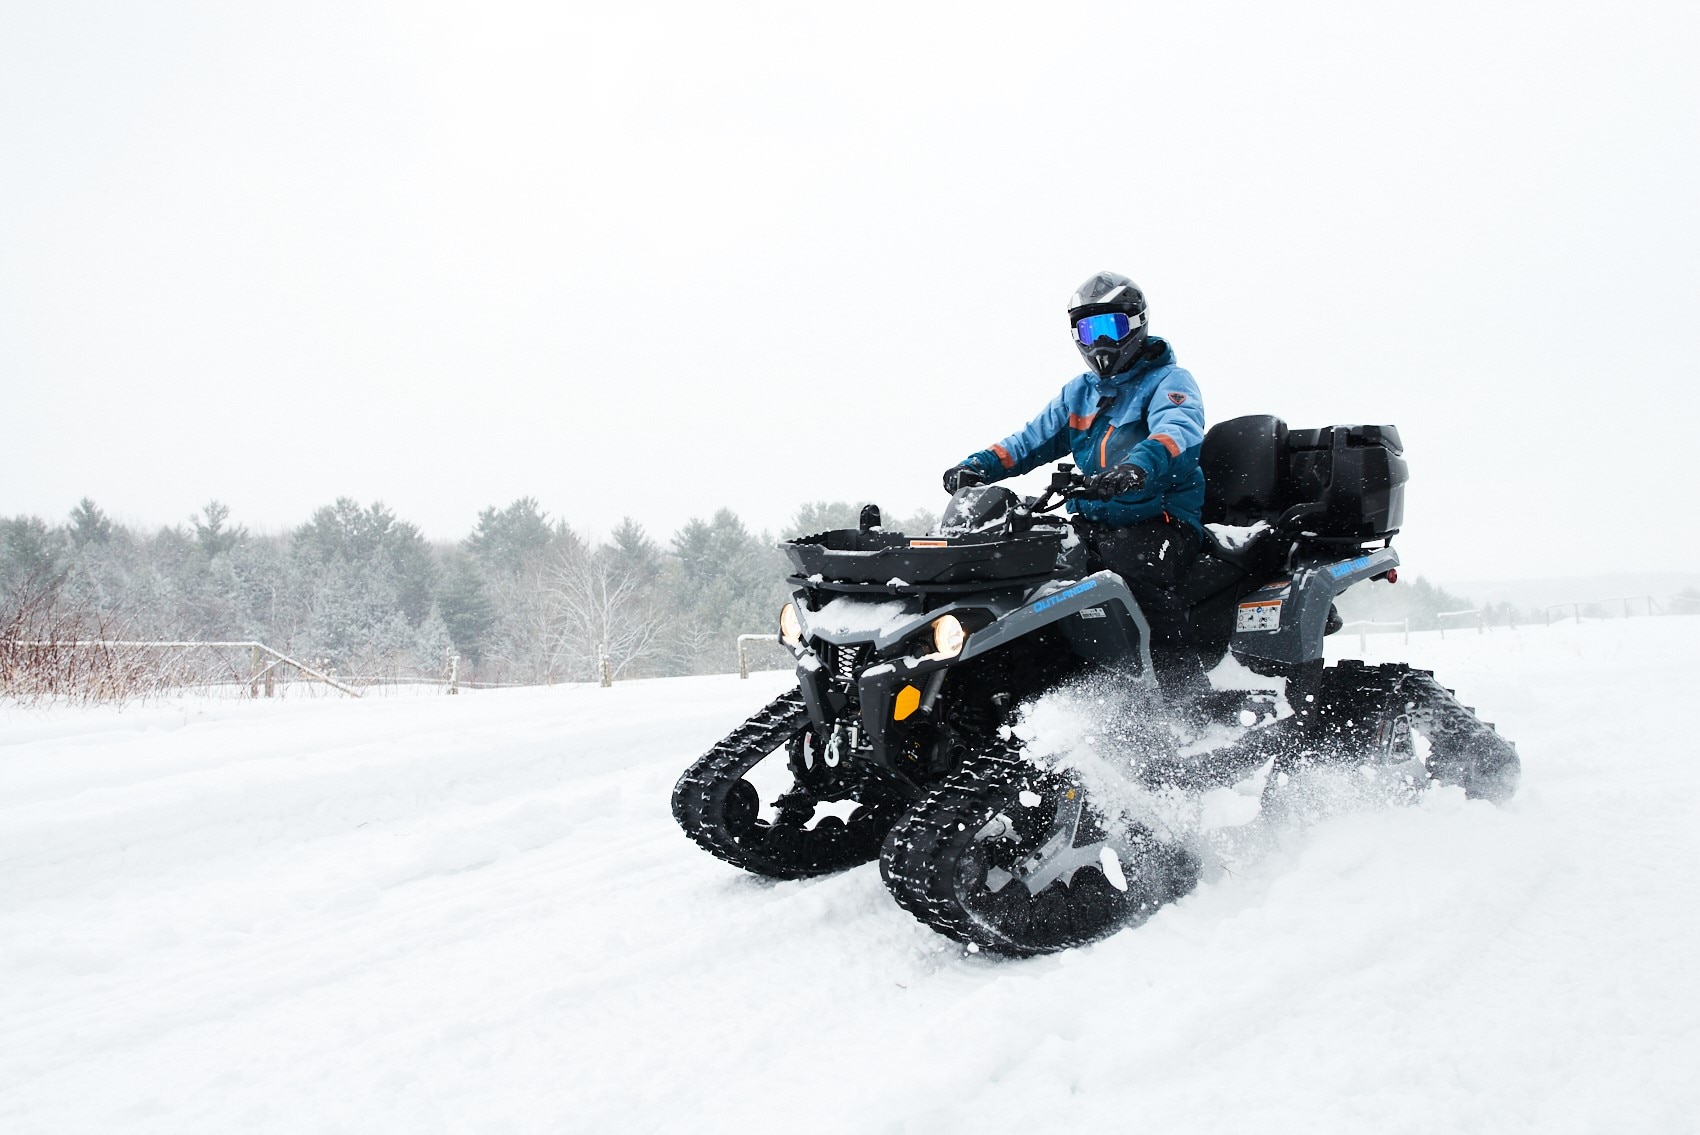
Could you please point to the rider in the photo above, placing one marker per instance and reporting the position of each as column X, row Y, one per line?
column 1134, row 424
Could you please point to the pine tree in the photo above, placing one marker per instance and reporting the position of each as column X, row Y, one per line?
column 465, row 606
column 730, row 582
column 823, row 516
column 917, row 523
column 504, row 537
column 634, row 550
column 89, row 525
column 374, row 538
column 29, row 550
column 432, row 644
column 214, row 538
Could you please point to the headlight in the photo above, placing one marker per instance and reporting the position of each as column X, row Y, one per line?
column 790, row 627
column 948, row 636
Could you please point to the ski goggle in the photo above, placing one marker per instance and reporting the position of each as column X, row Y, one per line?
column 1110, row 325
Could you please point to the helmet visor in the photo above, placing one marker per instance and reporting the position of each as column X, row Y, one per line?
column 1111, row 325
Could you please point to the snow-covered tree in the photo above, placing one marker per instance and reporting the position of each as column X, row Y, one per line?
column 465, row 605
column 823, row 516
column 432, row 644
column 210, row 532
column 1416, row 600
column 89, row 525
column 522, row 597
column 503, row 538
column 528, row 641
column 29, row 549
column 379, row 543
column 729, row 582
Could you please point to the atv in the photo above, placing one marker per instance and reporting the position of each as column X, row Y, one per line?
column 917, row 656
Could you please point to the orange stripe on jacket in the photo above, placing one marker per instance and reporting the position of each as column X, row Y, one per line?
column 1076, row 422
column 1168, row 443
column 1003, row 455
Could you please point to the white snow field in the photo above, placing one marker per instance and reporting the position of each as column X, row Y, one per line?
column 475, row 914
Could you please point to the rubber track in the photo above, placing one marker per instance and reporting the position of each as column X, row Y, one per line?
column 921, row 880
column 699, row 801
column 700, row 795
column 1463, row 749
column 923, row 849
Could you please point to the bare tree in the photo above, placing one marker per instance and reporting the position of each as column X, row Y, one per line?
column 526, row 643
column 567, row 601
column 601, row 598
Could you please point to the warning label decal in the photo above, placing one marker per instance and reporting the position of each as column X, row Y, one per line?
column 1261, row 616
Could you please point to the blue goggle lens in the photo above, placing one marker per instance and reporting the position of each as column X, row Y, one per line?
column 1112, row 325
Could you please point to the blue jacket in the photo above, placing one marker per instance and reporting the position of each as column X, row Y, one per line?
column 1150, row 415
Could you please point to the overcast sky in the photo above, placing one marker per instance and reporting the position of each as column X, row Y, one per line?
column 653, row 260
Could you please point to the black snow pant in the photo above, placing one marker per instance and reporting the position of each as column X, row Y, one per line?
column 1154, row 556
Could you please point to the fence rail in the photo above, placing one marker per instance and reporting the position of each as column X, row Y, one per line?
column 1576, row 607
column 1364, row 626
column 259, row 675
column 744, row 641
column 1476, row 612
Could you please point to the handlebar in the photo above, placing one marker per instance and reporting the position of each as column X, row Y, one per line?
column 1066, row 485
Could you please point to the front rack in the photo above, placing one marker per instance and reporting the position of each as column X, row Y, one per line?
column 882, row 561
column 893, row 587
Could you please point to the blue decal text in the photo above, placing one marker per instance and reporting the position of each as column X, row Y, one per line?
column 1053, row 600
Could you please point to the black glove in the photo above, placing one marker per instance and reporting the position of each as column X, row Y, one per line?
column 961, row 476
column 1116, row 481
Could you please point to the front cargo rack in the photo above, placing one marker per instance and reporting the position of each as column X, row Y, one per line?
column 848, row 559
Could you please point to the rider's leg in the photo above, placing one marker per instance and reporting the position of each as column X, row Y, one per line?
column 1154, row 557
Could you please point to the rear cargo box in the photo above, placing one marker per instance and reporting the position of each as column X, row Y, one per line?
column 1358, row 475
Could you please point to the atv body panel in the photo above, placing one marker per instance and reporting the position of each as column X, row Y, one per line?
column 1285, row 621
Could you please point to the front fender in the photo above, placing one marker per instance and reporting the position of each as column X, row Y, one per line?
column 1098, row 615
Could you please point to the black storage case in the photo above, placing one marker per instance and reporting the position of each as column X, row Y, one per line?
column 1356, row 473
column 1255, row 468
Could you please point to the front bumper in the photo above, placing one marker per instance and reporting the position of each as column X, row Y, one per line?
column 894, row 700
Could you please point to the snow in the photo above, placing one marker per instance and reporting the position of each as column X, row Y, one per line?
column 849, row 615
column 476, row 914
column 1233, row 536
column 964, row 504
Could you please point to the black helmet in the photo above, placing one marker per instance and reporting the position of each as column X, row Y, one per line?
column 1110, row 345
